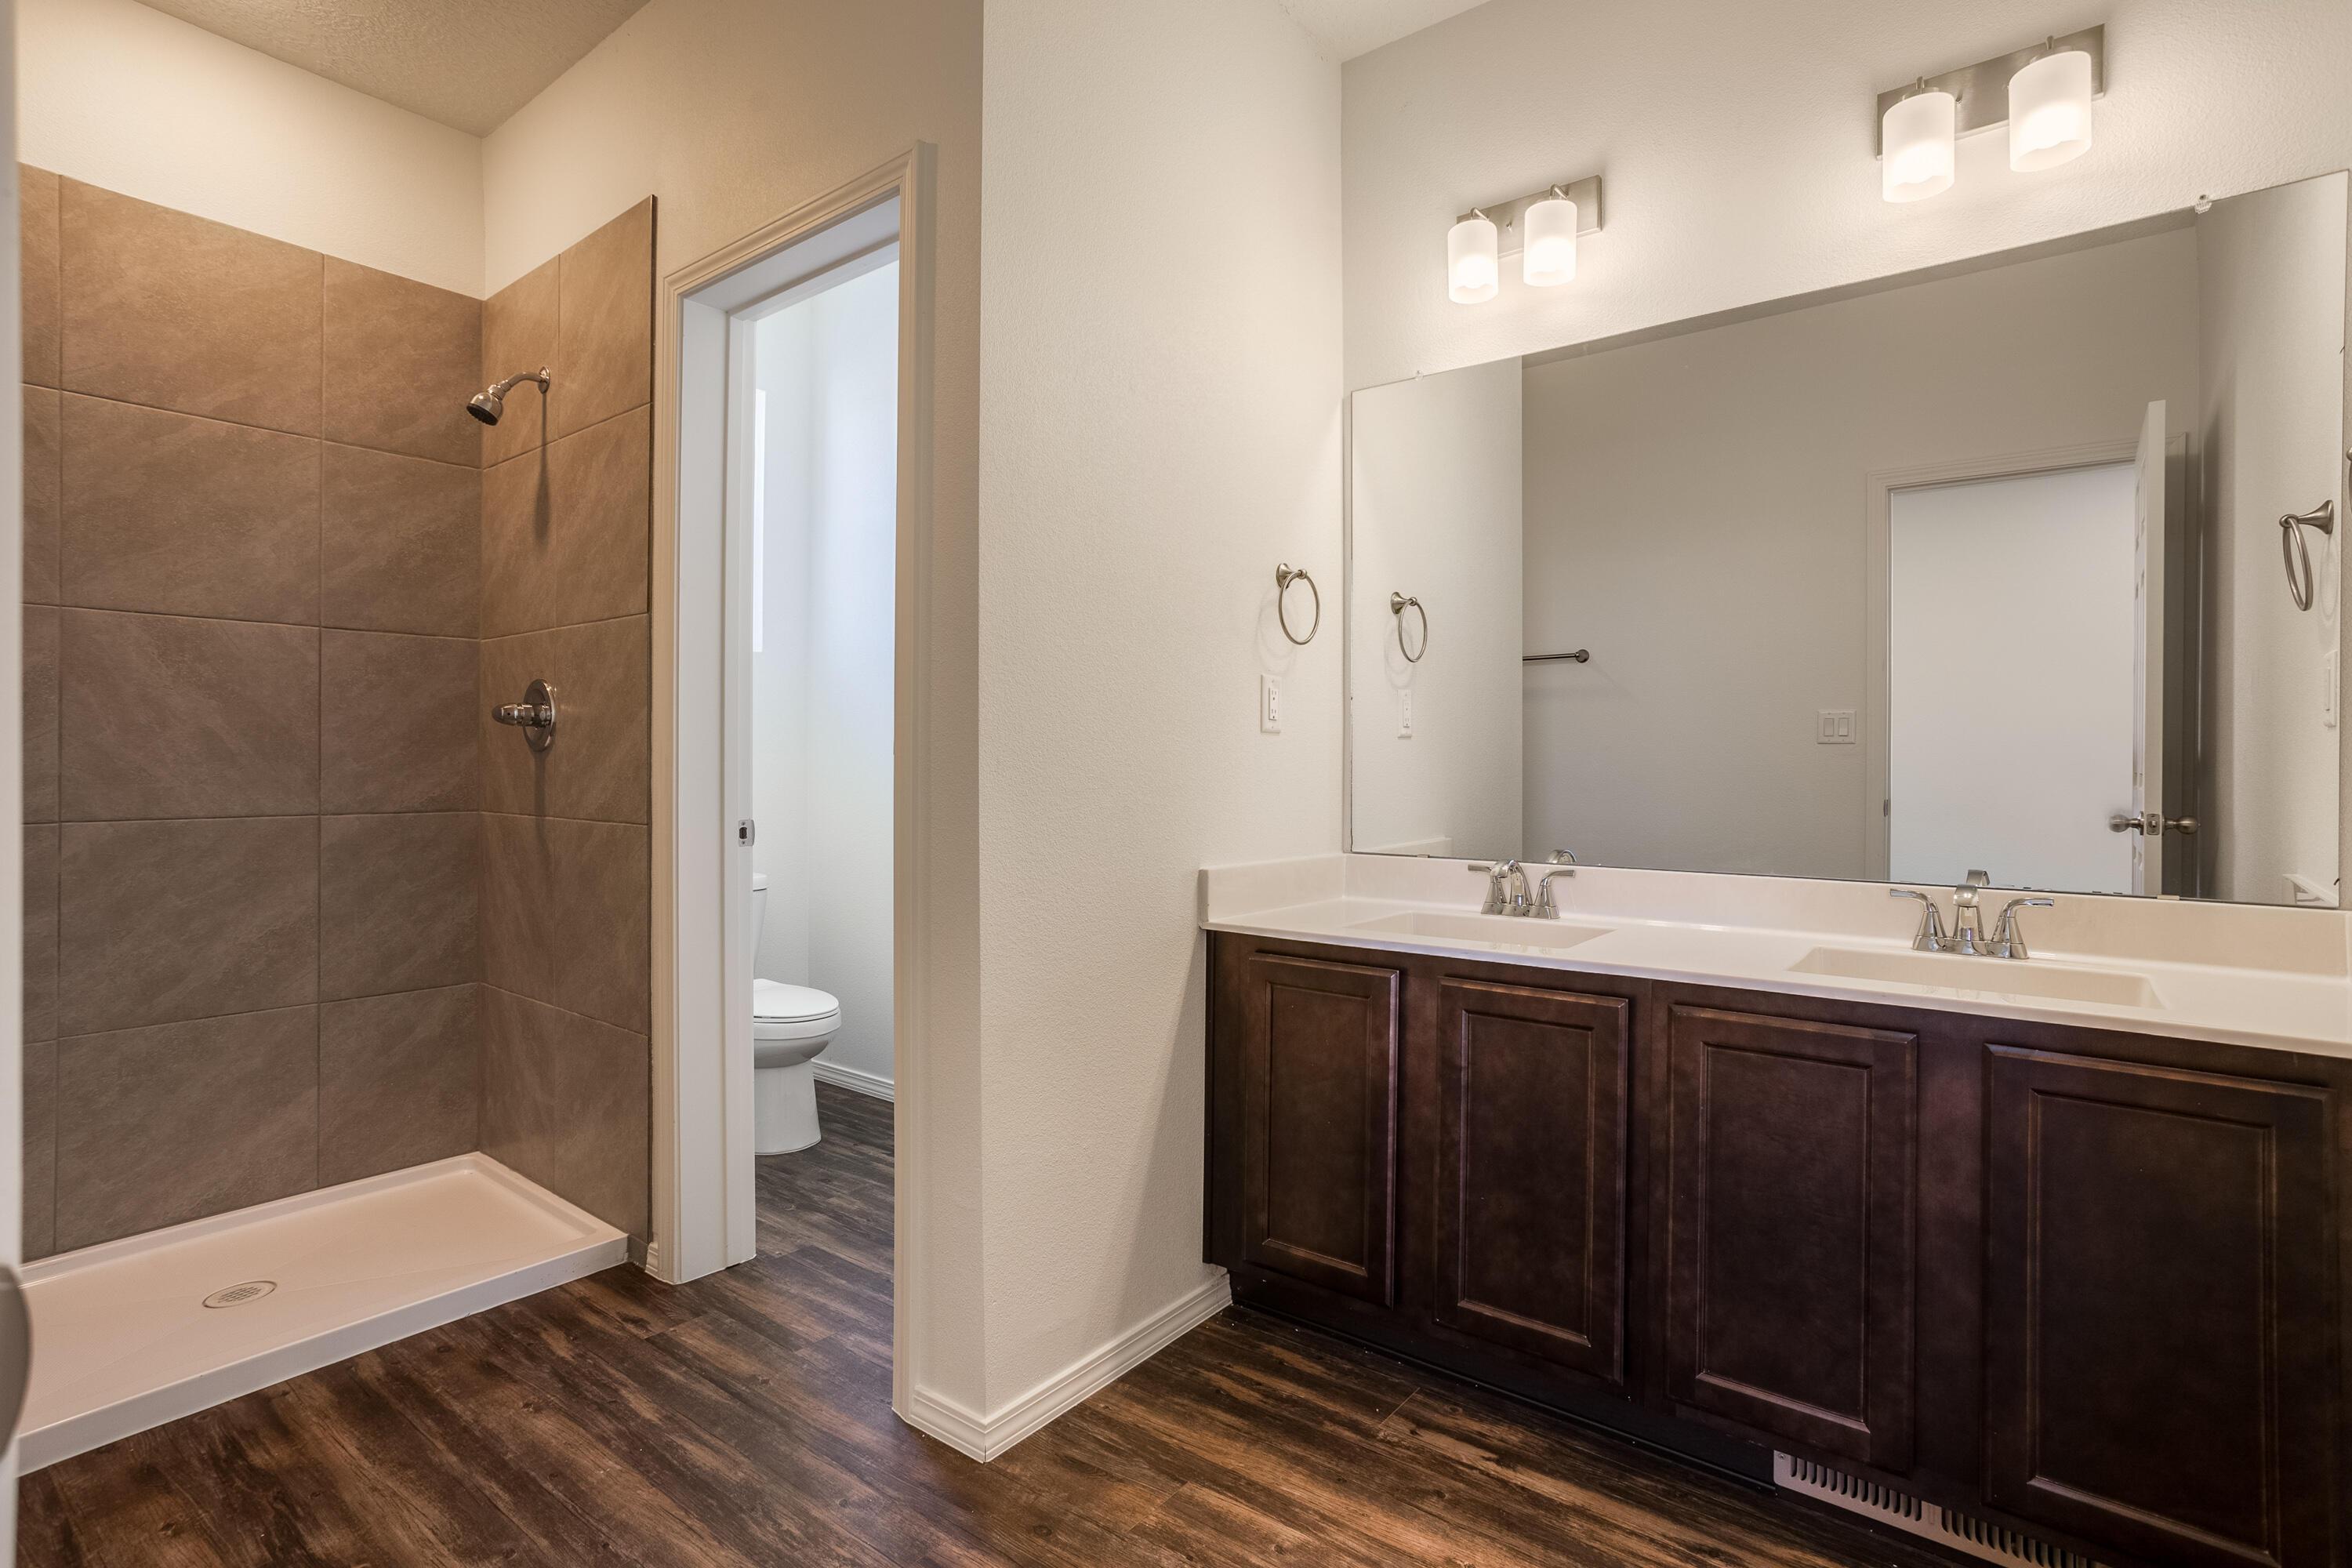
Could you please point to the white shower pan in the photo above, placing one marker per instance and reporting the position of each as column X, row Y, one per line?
column 133, row 1333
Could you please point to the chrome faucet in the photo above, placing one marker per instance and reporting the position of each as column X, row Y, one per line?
column 1968, row 935
column 1507, row 889
column 1546, row 910
column 1967, row 921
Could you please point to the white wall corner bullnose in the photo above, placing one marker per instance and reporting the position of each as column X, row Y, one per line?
column 984, row 1438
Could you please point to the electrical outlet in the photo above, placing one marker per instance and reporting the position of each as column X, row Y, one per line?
column 1404, row 714
column 1269, row 704
column 1835, row 727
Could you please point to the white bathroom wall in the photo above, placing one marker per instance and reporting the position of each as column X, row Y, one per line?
column 1737, row 144
column 2271, row 269
column 1695, row 515
column 1437, row 516
column 822, row 681
column 1160, row 425
column 124, row 97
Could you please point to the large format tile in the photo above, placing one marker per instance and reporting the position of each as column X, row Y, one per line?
column 397, row 726
column 564, row 914
column 400, row 544
column 159, row 922
column 598, row 767
column 177, row 312
column 401, row 361
column 36, row 217
column 399, row 1082
column 183, row 516
column 41, row 932
column 165, row 716
column 40, row 715
column 163, row 1125
column 606, row 318
column 40, row 1145
column 567, row 534
column 567, row 1101
column 397, row 902
column 519, row 334
column 42, row 479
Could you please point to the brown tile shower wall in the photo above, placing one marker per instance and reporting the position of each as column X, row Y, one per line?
column 252, row 791
column 566, row 527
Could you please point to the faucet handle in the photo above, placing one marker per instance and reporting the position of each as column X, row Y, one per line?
column 1546, row 908
column 2007, row 941
column 1930, row 935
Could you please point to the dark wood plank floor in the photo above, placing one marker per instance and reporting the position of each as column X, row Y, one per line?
column 745, row 1419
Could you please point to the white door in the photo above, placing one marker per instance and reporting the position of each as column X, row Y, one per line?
column 2011, row 690
column 2147, row 655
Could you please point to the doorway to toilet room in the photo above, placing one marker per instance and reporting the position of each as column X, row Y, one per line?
column 801, row 354
column 823, row 523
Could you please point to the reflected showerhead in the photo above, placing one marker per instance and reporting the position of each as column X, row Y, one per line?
column 488, row 404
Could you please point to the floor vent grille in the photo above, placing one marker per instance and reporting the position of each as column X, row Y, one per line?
column 1965, row 1532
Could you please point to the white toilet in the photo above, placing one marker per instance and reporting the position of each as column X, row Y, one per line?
column 790, row 1026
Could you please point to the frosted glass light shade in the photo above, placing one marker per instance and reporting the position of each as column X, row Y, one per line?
column 1474, row 267
column 2050, row 112
column 1918, row 133
column 1550, row 256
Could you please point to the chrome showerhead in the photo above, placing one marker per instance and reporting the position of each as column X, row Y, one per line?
column 488, row 404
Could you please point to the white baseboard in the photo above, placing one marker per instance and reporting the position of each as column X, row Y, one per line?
column 984, row 1438
column 852, row 1079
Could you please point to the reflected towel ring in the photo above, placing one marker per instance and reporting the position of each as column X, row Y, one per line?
column 1283, row 576
column 2297, row 554
column 1398, row 605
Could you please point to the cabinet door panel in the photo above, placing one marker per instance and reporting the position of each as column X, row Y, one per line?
column 1792, row 1215
column 1531, row 1171
column 2159, row 1309
column 1318, row 1123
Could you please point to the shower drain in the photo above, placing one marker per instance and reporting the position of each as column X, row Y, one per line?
column 238, row 1295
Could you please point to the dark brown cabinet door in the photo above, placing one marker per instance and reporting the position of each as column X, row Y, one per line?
column 1319, row 1122
column 2159, row 1315
column 1791, row 1169
column 1531, row 1171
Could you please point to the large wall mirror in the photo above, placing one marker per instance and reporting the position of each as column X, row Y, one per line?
column 1996, row 567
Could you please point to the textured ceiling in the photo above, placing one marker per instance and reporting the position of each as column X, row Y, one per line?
column 1346, row 28
column 466, row 63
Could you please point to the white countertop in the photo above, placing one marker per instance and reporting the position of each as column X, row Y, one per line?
column 2294, row 994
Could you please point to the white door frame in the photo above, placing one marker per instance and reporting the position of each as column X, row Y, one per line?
column 702, row 1216
column 1879, row 488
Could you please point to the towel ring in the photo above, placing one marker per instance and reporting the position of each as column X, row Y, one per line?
column 1283, row 576
column 2297, row 554
column 1398, row 605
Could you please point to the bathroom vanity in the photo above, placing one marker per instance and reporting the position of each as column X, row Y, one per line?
column 2059, row 1244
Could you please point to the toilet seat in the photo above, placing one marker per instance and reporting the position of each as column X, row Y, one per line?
column 782, row 1012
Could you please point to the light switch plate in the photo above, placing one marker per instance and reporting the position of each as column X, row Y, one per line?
column 1404, row 714
column 1269, row 704
column 1835, row 727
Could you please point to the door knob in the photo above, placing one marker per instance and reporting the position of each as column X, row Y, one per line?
column 2153, row 822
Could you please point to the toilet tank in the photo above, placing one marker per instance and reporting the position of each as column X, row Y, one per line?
column 758, row 911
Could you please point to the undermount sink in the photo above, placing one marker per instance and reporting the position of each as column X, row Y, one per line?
column 1983, row 976
column 1512, row 930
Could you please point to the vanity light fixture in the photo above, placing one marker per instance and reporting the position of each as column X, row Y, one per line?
column 1473, row 263
column 2043, row 94
column 1540, row 228
column 1919, row 134
column 1549, row 258
column 2049, row 110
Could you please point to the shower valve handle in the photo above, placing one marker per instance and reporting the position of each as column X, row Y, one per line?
column 534, row 715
